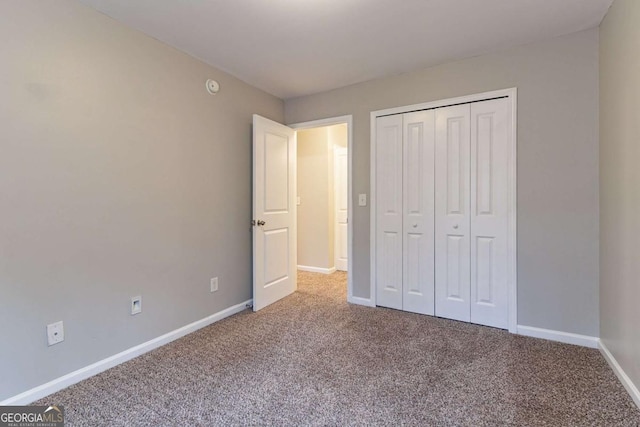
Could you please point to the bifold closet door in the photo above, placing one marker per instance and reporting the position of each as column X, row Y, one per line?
column 490, row 129
column 405, row 212
column 442, row 212
column 452, row 217
column 418, row 208
column 471, row 212
column 389, row 214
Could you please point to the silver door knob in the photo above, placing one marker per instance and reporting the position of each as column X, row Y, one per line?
column 415, row 225
column 455, row 226
column 261, row 223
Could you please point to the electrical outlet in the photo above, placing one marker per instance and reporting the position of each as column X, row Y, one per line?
column 214, row 284
column 55, row 333
column 362, row 200
column 136, row 305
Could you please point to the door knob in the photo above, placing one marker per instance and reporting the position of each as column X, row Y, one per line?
column 261, row 223
column 455, row 226
column 415, row 225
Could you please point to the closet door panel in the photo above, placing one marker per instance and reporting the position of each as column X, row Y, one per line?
column 389, row 212
column 452, row 213
column 489, row 178
column 418, row 208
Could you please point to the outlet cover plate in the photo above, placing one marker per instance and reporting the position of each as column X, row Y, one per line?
column 136, row 305
column 55, row 333
column 214, row 284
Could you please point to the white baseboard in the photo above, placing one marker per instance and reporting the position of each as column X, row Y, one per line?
column 317, row 269
column 564, row 337
column 622, row 376
column 88, row 371
column 360, row 301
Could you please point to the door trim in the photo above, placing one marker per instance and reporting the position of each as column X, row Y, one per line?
column 512, row 268
column 348, row 119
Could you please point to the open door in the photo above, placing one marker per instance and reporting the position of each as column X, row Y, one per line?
column 274, row 212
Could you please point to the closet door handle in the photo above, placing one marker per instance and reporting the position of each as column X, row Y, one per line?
column 455, row 226
column 415, row 225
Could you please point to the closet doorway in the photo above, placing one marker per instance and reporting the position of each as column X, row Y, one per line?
column 443, row 179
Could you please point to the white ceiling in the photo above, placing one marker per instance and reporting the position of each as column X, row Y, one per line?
column 292, row 48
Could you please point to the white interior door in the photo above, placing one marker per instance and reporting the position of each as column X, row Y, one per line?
column 418, row 222
column 342, row 205
column 274, row 213
column 388, row 158
column 452, row 198
column 489, row 212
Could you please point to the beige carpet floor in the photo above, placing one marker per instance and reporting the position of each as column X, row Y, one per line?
column 313, row 359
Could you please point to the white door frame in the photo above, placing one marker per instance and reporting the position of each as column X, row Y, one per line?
column 329, row 122
column 512, row 272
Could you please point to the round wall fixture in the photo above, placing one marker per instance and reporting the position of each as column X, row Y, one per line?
column 212, row 86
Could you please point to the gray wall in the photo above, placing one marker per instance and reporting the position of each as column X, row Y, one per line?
column 557, row 85
column 119, row 176
column 620, row 185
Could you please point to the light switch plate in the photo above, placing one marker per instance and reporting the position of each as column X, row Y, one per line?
column 298, row 200
column 362, row 200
